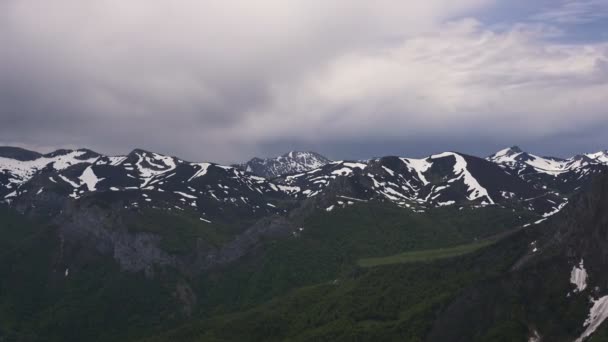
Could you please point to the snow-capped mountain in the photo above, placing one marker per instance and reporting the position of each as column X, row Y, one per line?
column 440, row 180
column 515, row 158
column 510, row 178
column 289, row 163
column 564, row 175
column 139, row 179
column 17, row 166
column 599, row 157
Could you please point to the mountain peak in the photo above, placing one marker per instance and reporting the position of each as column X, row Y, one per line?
column 290, row 162
column 601, row 156
column 506, row 154
column 516, row 149
column 138, row 151
column 510, row 151
column 302, row 154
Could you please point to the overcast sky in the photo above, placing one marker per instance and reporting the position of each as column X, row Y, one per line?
column 225, row 80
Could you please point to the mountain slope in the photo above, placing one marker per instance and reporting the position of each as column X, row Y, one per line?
column 440, row 180
column 388, row 303
column 563, row 175
column 146, row 179
column 536, row 284
column 556, row 291
column 141, row 179
column 288, row 163
column 19, row 166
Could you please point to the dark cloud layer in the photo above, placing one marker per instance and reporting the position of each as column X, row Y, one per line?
column 223, row 81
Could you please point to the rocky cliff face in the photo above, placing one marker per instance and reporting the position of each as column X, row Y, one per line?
column 110, row 232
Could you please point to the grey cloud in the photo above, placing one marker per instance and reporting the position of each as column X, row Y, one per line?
column 223, row 81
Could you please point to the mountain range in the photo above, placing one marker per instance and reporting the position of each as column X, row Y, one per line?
column 244, row 252
column 510, row 178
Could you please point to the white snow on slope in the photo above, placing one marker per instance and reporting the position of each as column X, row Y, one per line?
column 419, row 166
column 548, row 166
column 201, row 172
column 289, row 189
column 504, row 156
column 475, row 190
column 89, row 178
column 554, row 167
column 514, row 158
column 345, row 171
column 347, row 168
column 447, row 203
column 389, row 171
column 115, row 161
column 353, row 199
column 24, row 170
column 162, row 165
column 578, row 277
column 556, row 209
column 601, row 156
column 185, row 194
column 356, row 165
column 597, row 315
column 67, row 180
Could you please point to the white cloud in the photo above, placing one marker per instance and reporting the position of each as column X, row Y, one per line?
column 459, row 79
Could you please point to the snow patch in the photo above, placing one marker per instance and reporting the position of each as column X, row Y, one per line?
column 356, row 165
column 419, row 166
column 353, row 199
column 389, row 171
column 154, row 160
column 115, row 161
column 555, row 209
column 185, row 194
column 12, row 194
column 289, row 189
column 25, row 170
column 345, row 171
column 201, row 172
column 447, row 203
column 597, row 315
column 578, row 277
column 67, row 180
column 89, row 178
